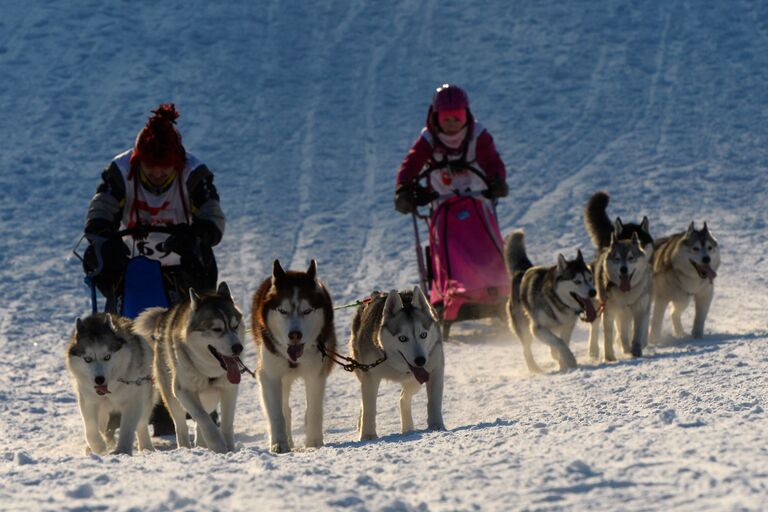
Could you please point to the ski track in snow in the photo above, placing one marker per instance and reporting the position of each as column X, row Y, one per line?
column 304, row 115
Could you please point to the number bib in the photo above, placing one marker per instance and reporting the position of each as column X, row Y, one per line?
column 151, row 247
column 165, row 209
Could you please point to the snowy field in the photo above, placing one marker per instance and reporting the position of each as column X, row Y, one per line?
column 304, row 113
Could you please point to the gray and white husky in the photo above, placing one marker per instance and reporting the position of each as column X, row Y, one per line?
column 684, row 266
column 292, row 315
column 111, row 369
column 197, row 363
column 545, row 302
column 400, row 327
column 602, row 232
column 624, row 282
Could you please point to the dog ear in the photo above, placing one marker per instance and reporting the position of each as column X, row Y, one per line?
column 645, row 225
column 613, row 239
column 223, row 290
column 312, row 270
column 394, row 303
column 109, row 322
column 419, row 300
column 579, row 256
column 561, row 263
column 277, row 272
column 194, row 298
column 708, row 234
column 690, row 230
column 78, row 325
column 618, row 227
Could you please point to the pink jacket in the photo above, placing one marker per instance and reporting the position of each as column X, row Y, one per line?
column 421, row 155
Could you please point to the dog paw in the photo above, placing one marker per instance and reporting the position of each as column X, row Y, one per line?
column 314, row 442
column 218, row 446
column 368, row 436
column 697, row 334
column 637, row 351
column 119, row 451
column 436, row 426
column 280, row 447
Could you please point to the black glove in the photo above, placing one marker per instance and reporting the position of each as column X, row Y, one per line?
column 496, row 188
column 408, row 197
column 183, row 241
column 114, row 258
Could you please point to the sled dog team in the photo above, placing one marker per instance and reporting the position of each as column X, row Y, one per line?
column 189, row 355
column 631, row 270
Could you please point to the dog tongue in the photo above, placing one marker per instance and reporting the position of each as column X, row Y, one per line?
column 589, row 310
column 625, row 285
column 711, row 274
column 295, row 351
column 421, row 374
column 102, row 389
column 233, row 369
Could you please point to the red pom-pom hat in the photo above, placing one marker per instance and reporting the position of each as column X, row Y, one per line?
column 159, row 142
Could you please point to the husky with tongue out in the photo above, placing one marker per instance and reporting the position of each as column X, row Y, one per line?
column 684, row 266
column 400, row 330
column 546, row 302
column 292, row 315
column 111, row 369
column 624, row 278
column 602, row 231
column 197, row 363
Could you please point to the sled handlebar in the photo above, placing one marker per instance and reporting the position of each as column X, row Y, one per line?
column 138, row 231
column 453, row 166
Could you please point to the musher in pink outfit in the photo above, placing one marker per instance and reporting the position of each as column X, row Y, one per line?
column 452, row 136
column 462, row 175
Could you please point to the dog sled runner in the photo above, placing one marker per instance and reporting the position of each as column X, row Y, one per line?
column 461, row 268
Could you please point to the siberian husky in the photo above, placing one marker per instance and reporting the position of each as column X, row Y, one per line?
column 401, row 329
column 684, row 266
column 545, row 302
column 111, row 370
column 292, row 315
column 600, row 228
column 197, row 363
column 601, row 231
column 623, row 276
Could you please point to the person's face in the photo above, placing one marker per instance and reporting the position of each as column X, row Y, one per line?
column 156, row 175
column 451, row 125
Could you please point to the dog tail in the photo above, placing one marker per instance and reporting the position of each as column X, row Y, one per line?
column 515, row 257
column 146, row 324
column 596, row 219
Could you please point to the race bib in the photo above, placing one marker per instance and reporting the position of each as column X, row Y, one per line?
column 151, row 247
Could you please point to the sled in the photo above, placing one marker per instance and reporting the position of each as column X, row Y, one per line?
column 143, row 284
column 143, row 287
column 462, row 268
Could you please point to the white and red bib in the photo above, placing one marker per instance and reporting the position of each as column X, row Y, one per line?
column 170, row 207
column 446, row 181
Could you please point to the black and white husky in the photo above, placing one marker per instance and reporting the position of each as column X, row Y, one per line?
column 630, row 300
column 545, row 302
column 623, row 277
column 292, row 315
column 684, row 266
column 197, row 363
column 111, row 369
column 401, row 328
